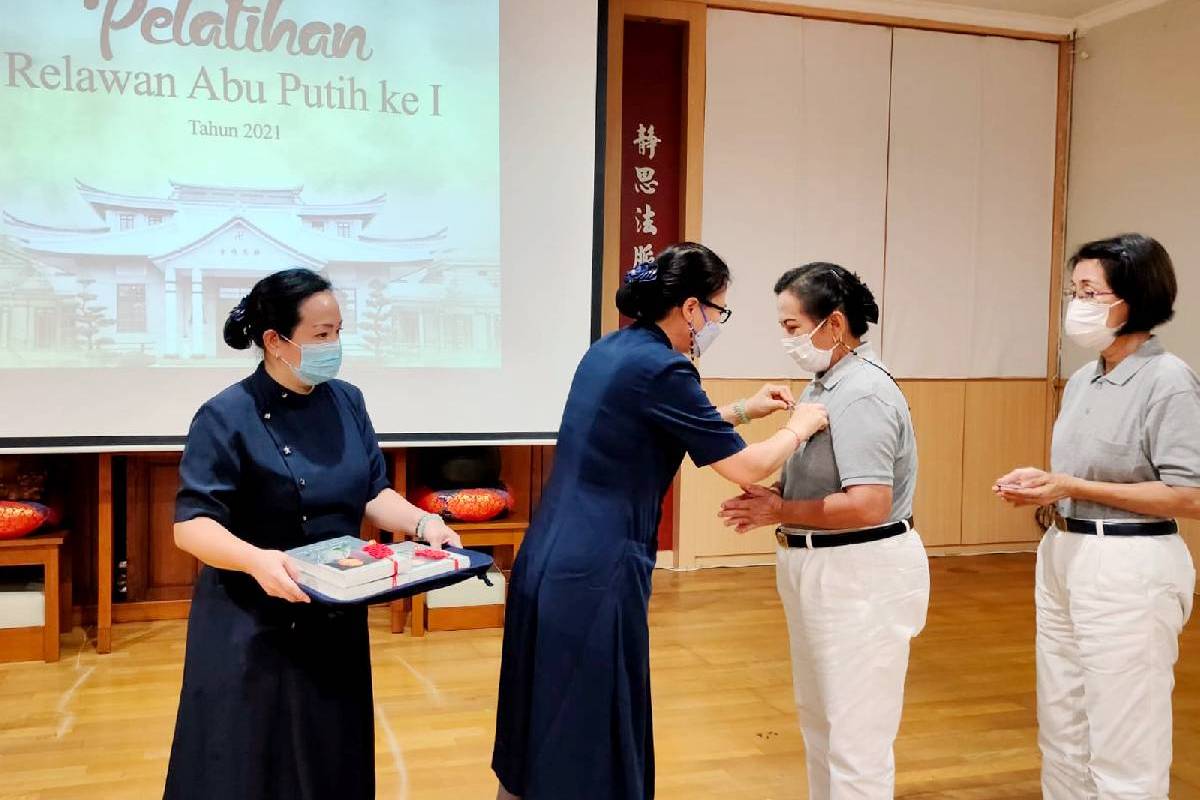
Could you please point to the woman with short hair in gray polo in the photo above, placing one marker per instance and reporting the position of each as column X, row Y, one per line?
column 851, row 571
column 1114, row 579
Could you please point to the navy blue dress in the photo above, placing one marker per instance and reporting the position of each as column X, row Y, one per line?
column 276, row 699
column 574, row 713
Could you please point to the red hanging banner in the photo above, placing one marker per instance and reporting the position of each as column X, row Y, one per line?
column 652, row 141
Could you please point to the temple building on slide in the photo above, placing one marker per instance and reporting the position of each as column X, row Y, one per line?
column 152, row 282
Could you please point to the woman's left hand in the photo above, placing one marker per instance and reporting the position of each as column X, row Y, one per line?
column 1030, row 486
column 770, row 398
column 755, row 507
column 439, row 534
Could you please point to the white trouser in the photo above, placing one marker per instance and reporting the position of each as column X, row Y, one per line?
column 851, row 612
column 1109, row 613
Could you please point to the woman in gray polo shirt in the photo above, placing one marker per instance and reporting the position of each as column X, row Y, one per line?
column 1114, row 579
column 851, row 571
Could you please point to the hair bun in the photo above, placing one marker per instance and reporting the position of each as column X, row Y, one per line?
column 237, row 332
column 653, row 288
column 863, row 298
column 238, row 312
column 639, row 299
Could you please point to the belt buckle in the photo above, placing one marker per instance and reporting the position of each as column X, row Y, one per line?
column 781, row 538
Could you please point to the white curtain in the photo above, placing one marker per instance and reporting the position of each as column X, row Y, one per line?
column 795, row 165
column 970, row 206
column 922, row 161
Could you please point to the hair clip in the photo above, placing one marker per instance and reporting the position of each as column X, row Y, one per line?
column 645, row 272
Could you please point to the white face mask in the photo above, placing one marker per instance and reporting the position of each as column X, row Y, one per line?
column 1087, row 324
column 702, row 339
column 805, row 353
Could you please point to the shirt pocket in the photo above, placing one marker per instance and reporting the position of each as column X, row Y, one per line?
column 1116, row 461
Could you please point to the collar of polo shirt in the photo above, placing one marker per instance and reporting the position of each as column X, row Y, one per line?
column 1132, row 364
column 830, row 378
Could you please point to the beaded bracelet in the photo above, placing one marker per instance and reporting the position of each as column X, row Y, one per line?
column 739, row 409
column 421, row 524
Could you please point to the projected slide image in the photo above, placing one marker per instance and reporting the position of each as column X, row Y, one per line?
column 157, row 160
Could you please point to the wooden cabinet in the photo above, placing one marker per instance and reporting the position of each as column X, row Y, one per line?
column 969, row 432
column 130, row 500
column 157, row 569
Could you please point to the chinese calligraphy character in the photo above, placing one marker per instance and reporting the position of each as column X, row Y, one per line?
column 642, row 254
column 647, row 143
column 644, row 218
column 646, row 182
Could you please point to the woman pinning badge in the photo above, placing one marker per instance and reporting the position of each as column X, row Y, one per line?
column 574, row 717
column 851, row 571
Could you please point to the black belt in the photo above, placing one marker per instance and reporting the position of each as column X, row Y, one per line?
column 1164, row 527
column 838, row 538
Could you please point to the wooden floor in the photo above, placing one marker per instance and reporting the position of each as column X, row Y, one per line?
column 96, row 727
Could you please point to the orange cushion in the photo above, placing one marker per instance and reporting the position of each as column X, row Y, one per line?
column 464, row 505
column 18, row 518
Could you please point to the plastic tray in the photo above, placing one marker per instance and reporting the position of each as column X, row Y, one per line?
column 480, row 564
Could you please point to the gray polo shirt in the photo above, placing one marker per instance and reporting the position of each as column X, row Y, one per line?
column 1139, row 423
column 869, row 441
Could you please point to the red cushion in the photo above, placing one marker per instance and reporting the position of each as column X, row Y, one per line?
column 18, row 518
column 464, row 505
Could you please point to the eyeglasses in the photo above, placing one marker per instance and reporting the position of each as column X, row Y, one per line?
column 1085, row 294
column 726, row 313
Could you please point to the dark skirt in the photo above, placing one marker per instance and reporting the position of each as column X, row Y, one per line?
column 574, row 718
column 276, row 699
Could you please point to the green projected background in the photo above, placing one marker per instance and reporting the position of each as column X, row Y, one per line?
column 156, row 160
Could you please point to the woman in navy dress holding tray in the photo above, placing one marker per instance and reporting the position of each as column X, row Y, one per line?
column 574, row 717
column 276, row 699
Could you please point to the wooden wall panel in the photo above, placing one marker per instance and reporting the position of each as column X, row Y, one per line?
column 968, row 434
column 80, row 505
column 702, row 537
column 516, row 470
column 938, row 408
column 1003, row 430
column 542, row 458
column 157, row 569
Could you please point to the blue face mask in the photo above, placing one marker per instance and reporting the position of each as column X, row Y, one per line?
column 318, row 362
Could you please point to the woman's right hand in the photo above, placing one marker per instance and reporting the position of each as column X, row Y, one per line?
column 275, row 573
column 808, row 419
column 770, row 398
